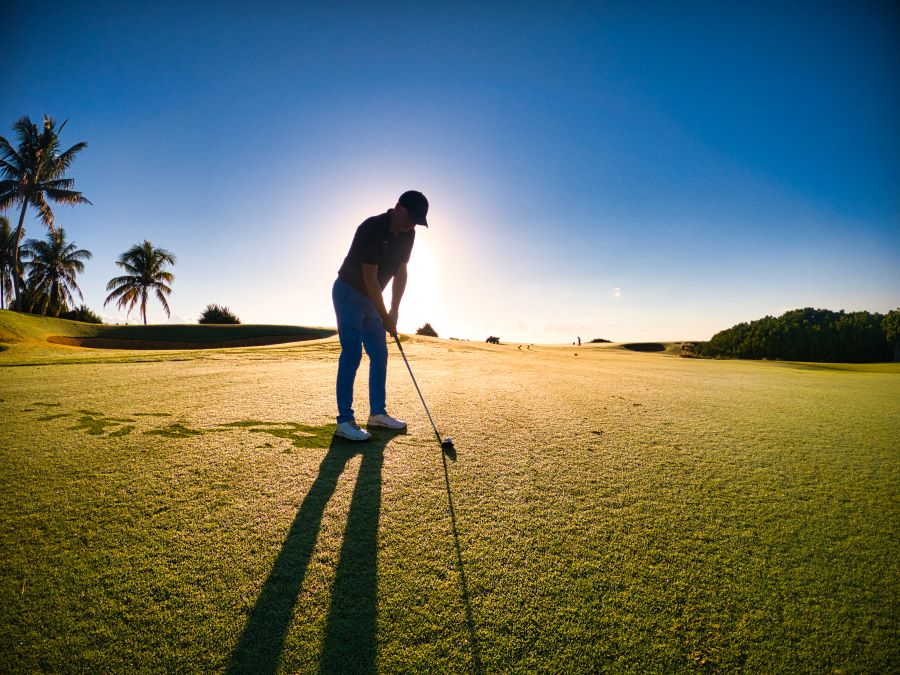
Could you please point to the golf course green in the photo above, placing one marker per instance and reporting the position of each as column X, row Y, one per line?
column 178, row 509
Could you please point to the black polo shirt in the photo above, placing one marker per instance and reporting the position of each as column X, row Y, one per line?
column 373, row 244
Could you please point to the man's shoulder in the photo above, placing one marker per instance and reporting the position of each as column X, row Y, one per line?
column 375, row 223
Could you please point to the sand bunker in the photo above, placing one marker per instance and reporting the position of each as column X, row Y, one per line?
column 123, row 343
column 645, row 347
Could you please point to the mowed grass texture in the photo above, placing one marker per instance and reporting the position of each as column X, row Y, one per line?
column 612, row 511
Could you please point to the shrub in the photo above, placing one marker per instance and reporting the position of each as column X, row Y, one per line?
column 83, row 314
column 427, row 330
column 600, row 340
column 216, row 314
column 688, row 350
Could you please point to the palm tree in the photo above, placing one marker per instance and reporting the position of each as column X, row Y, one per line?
column 7, row 268
column 34, row 171
column 52, row 266
column 144, row 265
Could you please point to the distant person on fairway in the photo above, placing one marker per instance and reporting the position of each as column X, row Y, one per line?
column 380, row 251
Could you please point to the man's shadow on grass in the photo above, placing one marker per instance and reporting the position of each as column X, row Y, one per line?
column 350, row 639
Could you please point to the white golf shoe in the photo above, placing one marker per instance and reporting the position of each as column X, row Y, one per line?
column 385, row 421
column 351, row 431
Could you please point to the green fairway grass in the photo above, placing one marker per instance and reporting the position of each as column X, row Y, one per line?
column 612, row 510
column 31, row 340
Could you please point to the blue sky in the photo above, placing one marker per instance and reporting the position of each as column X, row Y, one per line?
column 639, row 170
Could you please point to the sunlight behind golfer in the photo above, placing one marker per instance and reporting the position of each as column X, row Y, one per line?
column 423, row 300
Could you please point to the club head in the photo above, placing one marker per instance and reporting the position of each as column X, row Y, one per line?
column 448, row 448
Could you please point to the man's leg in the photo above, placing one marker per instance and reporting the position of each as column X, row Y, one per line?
column 373, row 336
column 349, row 313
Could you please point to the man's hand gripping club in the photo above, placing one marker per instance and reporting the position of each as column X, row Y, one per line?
column 373, row 289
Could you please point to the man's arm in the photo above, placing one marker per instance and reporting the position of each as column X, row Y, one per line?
column 373, row 289
column 397, row 288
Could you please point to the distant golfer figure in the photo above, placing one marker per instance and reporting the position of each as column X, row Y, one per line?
column 380, row 251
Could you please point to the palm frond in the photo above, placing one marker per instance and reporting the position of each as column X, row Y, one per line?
column 123, row 296
column 81, row 254
column 163, row 302
column 10, row 155
column 64, row 160
column 44, row 211
column 134, row 270
column 9, row 193
column 68, row 197
column 60, row 183
column 121, row 282
column 10, row 166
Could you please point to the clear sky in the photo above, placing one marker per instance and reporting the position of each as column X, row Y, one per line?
column 625, row 170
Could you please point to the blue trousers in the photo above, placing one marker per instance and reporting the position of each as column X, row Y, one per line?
column 358, row 326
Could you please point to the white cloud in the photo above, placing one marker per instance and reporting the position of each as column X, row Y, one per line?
column 617, row 292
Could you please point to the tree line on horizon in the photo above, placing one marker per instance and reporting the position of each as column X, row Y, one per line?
column 810, row 335
column 39, row 276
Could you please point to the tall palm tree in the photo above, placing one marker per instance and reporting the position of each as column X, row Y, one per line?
column 52, row 266
column 145, row 266
column 7, row 265
column 33, row 172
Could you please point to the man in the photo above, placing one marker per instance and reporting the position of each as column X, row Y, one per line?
column 379, row 253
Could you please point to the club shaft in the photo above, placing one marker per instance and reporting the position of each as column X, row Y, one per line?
column 422, row 398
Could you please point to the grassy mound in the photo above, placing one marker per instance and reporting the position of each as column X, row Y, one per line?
column 668, row 348
column 38, row 334
column 16, row 327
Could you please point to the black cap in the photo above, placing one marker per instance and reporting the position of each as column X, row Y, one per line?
column 415, row 202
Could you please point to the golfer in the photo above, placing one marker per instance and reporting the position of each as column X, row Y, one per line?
column 379, row 253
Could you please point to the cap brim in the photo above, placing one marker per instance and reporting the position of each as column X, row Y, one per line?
column 420, row 220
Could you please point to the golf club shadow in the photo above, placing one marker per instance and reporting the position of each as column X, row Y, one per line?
column 349, row 644
column 477, row 666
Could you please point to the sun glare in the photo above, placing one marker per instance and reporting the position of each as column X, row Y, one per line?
column 422, row 300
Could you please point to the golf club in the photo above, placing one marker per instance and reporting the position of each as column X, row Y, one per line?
column 447, row 443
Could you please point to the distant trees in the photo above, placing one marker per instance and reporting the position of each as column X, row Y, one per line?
column 427, row 330
column 891, row 326
column 808, row 335
column 52, row 265
column 34, row 171
column 218, row 314
column 145, row 266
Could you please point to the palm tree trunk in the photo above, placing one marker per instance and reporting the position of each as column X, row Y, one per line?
column 54, row 299
column 15, row 257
